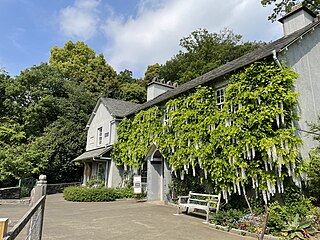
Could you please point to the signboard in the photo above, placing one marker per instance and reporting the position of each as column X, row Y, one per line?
column 137, row 188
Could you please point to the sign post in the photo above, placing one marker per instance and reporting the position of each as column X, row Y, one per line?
column 137, row 184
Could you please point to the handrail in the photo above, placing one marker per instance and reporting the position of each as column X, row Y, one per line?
column 24, row 220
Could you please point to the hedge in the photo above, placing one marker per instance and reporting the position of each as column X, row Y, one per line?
column 82, row 194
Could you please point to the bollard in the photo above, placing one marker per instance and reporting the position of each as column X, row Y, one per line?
column 3, row 227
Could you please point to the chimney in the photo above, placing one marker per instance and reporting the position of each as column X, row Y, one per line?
column 299, row 17
column 157, row 87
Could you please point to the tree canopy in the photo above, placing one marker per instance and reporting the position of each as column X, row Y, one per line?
column 204, row 51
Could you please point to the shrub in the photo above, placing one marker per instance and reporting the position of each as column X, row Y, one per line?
column 314, row 176
column 97, row 183
column 80, row 194
column 99, row 194
column 280, row 216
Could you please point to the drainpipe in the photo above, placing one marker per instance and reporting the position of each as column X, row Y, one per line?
column 276, row 58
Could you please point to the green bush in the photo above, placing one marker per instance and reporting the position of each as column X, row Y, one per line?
column 80, row 194
column 314, row 176
column 97, row 183
column 100, row 194
column 25, row 192
column 228, row 218
column 280, row 216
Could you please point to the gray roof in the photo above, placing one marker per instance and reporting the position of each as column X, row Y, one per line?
column 118, row 108
column 94, row 154
column 234, row 65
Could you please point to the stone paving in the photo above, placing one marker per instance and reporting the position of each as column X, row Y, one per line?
column 125, row 219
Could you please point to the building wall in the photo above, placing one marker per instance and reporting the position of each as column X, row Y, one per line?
column 304, row 57
column 102, row 119
column 115, row 175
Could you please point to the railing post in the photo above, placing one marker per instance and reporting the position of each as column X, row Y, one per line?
column 36, row 222
column 3, row 227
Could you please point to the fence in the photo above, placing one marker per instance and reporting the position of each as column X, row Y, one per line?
column 32, row 221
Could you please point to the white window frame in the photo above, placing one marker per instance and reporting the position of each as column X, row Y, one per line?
column 220, row 95
column 99, row 136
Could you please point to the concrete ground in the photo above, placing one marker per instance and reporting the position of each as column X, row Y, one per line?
column 123, row 220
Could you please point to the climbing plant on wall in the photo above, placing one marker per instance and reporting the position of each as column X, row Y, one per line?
column 250, row 140
column 135, row 137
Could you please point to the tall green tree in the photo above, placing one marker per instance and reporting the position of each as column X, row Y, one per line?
column 14, row 162
column 33, row 97
column 202, row 52
column 151, row 72
column 80, row 63
column 281, row 7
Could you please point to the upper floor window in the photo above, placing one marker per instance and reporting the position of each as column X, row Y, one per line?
column 99, row 134
column 220, row 98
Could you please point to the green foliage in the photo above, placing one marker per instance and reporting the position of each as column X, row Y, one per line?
column 182, row 188
column 80, row 194
column 202, row 52
column 97, row 194
column 80, row 63
column 151, row 73
column 135, row 137
column 133, row 92
column 229, row 218
column 314, row 165
column 281, row 7
column 281, row 216
column 14, row 162
column 297, row 228
column 250, row 140
column 96, row 183
column 25, row 192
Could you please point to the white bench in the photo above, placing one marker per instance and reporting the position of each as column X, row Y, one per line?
column 206, row 202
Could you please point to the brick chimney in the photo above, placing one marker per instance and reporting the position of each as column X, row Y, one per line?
column 299, row 17
column 157, row 87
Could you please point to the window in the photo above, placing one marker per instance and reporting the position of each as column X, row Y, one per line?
column 220, row 98
column 106, row 134
column 99, row 136
column 101, row 171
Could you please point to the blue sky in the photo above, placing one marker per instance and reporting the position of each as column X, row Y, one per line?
column 132, row 34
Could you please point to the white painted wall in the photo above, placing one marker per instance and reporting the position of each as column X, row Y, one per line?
column 102, row 119
column 296, row 21
column 304, row 57
column 155, row 89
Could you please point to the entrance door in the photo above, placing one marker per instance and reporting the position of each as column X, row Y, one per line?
column 155, row 177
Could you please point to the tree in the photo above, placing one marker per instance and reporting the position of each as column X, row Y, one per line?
column 33, row 97
column 4, row 78
column 132, row 92
column 151, row 73
column 64, row 139
column 80, row 63
column 204, row 51
column 14, row 163
column 281, row 7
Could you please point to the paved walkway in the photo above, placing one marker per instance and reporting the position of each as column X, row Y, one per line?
column 118, row 220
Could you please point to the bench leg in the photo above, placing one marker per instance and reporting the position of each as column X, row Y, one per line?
column 207, row 218
column 187, row 211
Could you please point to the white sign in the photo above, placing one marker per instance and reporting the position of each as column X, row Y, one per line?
column 137, row 184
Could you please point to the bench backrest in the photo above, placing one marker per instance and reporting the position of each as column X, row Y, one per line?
column 203, row 197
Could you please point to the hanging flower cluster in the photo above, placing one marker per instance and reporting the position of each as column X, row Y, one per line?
column 249, row 141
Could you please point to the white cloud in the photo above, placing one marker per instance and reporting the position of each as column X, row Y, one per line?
column 153, row 34
column 80, row 20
